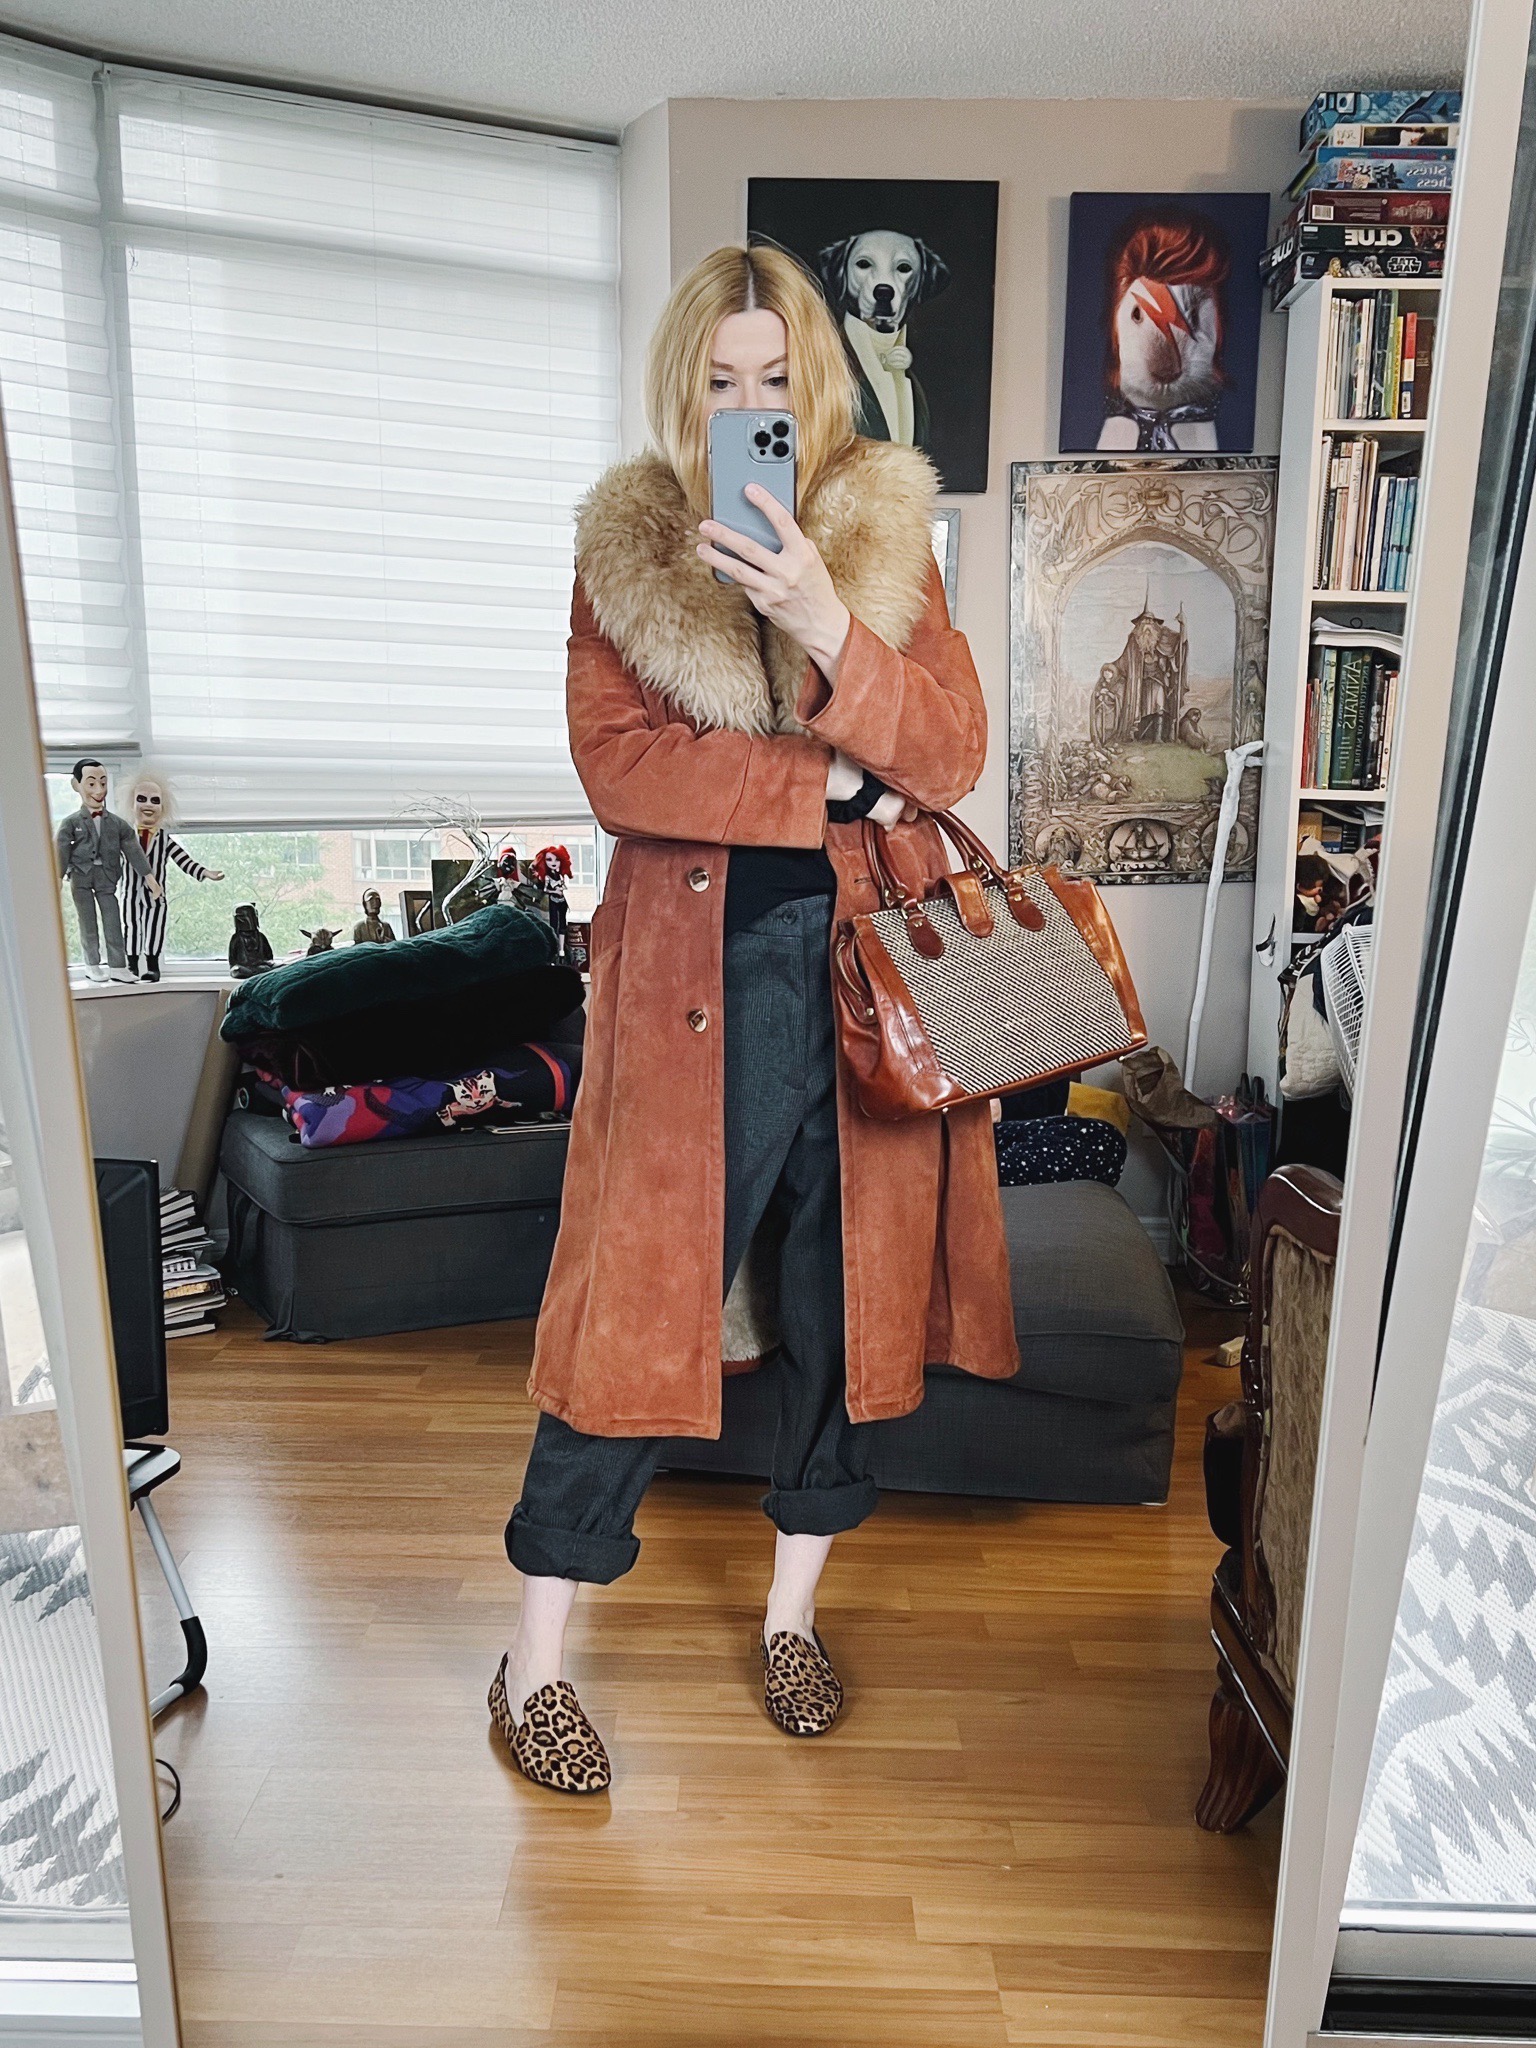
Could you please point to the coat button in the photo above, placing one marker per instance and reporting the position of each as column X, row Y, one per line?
column 698, row 878
column 698, row 1020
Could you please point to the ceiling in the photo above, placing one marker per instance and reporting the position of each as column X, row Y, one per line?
column 595, row 64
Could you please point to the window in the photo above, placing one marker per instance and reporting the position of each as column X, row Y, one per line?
column 379, row 857
column 299, row 400
column 300, row 880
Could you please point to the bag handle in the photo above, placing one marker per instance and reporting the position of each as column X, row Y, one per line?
column 973, row 851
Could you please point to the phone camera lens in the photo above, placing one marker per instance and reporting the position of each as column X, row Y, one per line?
column 781, row 449
column 781, row 428
column 761, row 440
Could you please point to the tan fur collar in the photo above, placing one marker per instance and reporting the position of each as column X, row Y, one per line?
column 696, row 640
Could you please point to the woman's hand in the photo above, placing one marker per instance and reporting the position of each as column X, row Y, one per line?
column 792, row 588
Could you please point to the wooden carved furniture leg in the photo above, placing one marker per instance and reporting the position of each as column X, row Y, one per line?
column 1244, row 1775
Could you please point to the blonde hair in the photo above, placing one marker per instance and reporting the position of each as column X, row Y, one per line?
column 822, row 392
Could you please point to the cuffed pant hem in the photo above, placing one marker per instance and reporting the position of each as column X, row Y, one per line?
column 568, row 1553
column 821, row 1510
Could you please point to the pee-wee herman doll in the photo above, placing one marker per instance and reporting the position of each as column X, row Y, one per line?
column 144, row 914
column 92, row 845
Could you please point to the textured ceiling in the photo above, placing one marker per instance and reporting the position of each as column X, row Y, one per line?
column 598, row 63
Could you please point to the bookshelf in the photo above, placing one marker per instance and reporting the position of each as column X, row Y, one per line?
column 1310, row 422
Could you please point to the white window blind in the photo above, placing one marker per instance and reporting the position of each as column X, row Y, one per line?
column 365, row 363
column 56, row 390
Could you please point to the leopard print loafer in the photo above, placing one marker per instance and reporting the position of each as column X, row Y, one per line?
column 800, row 1689
column 554, row 1744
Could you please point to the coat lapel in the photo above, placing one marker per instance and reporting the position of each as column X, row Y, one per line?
column 697, row 641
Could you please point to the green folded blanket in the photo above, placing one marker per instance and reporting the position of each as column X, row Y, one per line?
column 486, row 946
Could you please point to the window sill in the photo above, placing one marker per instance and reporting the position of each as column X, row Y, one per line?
column 192, row 977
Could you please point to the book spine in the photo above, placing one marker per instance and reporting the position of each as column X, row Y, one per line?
column 1410, row 513
column 1425, row 352
column 1324, row 497
column 1327, row 697
column 1408, row 371
column 1388, row 718
column 1351, row 693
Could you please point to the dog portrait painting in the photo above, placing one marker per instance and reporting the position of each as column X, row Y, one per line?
column 1164, row 305
column 907, row 266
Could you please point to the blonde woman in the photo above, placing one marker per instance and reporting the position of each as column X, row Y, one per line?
column 734, row 738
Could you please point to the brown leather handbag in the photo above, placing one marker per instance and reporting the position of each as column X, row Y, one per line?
column 994, row 980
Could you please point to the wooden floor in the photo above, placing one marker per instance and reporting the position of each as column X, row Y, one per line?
column 995, row 1845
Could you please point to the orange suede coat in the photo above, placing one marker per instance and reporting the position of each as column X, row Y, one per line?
column 629, row 1337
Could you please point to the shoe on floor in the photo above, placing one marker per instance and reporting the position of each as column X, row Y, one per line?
column 554, row 1744
column 800, row 1689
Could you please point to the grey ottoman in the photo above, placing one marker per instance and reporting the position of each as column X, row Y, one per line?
column 404, row 1234
column 1089, row 1414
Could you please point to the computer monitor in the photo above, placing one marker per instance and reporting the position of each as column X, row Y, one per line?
column 128, row 1195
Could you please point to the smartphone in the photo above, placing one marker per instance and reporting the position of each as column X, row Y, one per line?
column 750, row 448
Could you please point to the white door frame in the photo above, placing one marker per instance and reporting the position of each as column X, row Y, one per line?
column 1372, row 1447
column 52, row 1151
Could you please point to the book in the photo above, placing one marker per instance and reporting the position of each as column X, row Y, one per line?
column 1426, row 209
column 1365, row 514
column 1361, row 170
column 190, row 1329
column 1376, row 105
column 1424, row 356
column 1350, row 706
column 1390, row 135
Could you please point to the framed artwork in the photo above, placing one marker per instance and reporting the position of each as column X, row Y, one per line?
column 946, row 552
column 415, row 912
column 1164, row 301
column 1138, row 637
column 908, row 267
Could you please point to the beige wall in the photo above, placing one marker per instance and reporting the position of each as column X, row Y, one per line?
column 1040, row 151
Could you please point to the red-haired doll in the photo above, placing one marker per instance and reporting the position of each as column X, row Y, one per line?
column 551, row 868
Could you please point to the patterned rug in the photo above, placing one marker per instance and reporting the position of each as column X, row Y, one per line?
column 59, row 1846
column 1450, row 1805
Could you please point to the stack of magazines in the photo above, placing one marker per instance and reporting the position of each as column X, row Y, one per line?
column 1367, row 504
column 1373, row 195
column 193, row 1288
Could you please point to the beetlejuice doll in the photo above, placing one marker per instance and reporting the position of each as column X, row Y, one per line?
column 144, row 913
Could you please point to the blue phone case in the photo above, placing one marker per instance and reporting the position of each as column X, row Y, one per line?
column 750, row 448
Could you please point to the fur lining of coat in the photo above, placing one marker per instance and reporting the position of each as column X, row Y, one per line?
column 697, row 641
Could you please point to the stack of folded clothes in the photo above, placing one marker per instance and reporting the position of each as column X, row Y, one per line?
column 472, row 1025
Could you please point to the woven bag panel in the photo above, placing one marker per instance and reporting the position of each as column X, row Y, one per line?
column 1003, row 1010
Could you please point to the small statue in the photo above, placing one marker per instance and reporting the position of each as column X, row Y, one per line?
column 249, row 950
column 370, row 929
column 144, row 915
column 551, row 868
column 91, row 845
column 321, row 939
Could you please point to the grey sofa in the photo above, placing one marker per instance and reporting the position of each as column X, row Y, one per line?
column 1089, row 1414
column 417, row 1233
column 406, row 1234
